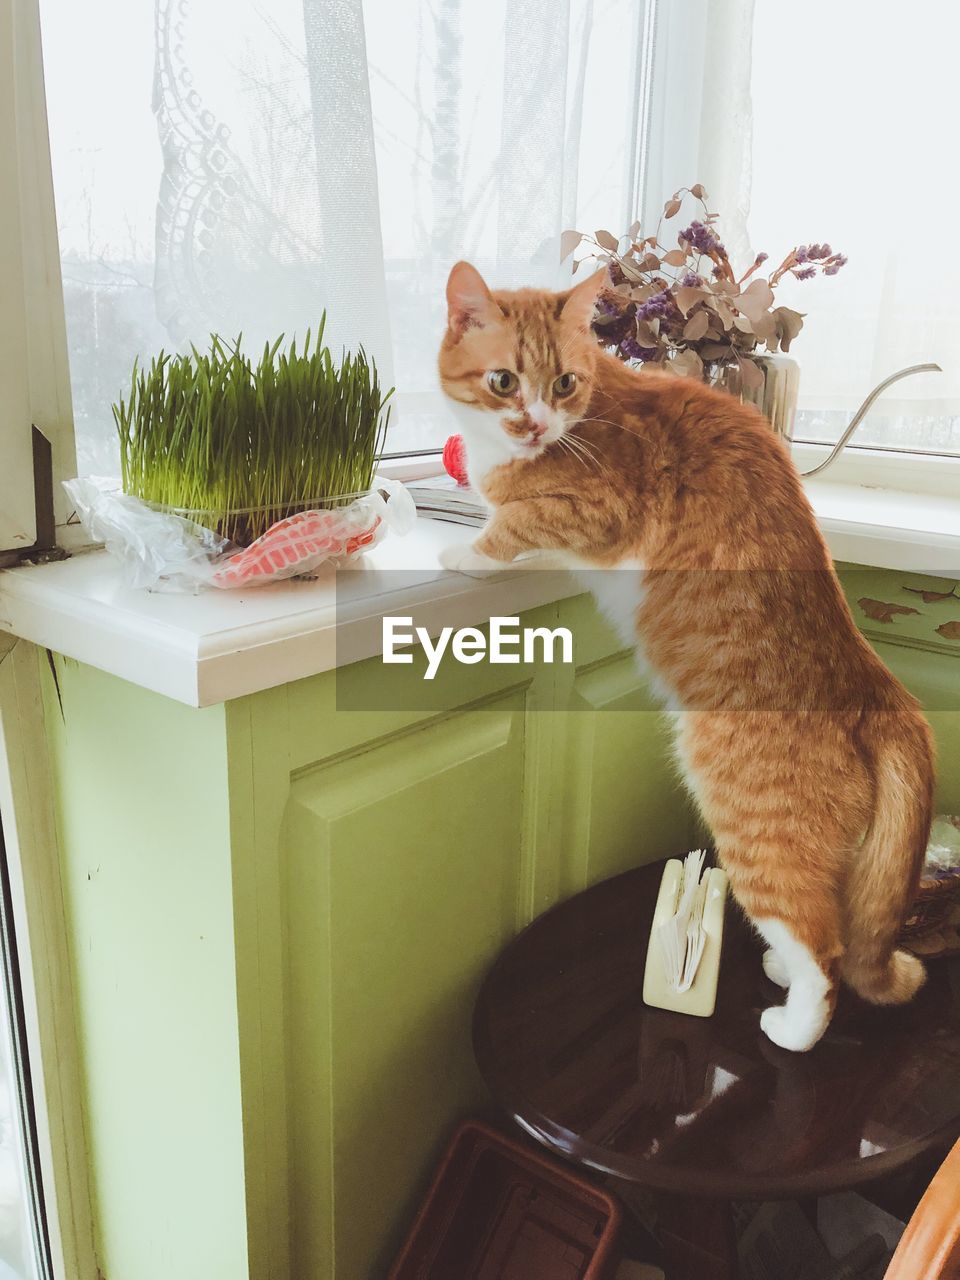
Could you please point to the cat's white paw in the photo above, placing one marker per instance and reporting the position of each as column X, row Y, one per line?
column 784, row 1028
column 774, row 968
column 465, row 558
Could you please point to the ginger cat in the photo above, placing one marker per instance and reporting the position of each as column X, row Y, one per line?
column 810, row 762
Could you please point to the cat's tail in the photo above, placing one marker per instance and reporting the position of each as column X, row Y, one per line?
column 885, row 871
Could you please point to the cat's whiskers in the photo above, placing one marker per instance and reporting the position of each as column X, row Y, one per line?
column 566, row 443
column 575, row 453
column 608, row 422
column 571, row 441
column 581, row 449
column 585, row 447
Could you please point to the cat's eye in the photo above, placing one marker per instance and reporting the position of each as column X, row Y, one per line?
column 503, row 382
column 565, row 385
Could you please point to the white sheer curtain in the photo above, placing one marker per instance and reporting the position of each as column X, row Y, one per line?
column 812, row 121
column 853, row 142
column 244, row 167
column 700, row 110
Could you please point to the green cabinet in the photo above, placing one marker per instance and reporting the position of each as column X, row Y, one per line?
column 278, row 914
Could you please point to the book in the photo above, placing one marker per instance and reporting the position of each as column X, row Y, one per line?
column 442, row 498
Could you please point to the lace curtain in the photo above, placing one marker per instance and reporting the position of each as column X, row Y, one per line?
column 244, row 170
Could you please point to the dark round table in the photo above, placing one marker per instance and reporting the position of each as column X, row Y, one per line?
column 705, row 1110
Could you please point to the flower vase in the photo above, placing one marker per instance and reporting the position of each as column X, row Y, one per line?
column 775, row 395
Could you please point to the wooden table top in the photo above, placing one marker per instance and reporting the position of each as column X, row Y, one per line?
column 706, row 1106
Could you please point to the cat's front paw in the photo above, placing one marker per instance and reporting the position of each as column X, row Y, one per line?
column 465, row 558
column 781, row 1025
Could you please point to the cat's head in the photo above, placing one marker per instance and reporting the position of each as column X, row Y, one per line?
column 517, row 365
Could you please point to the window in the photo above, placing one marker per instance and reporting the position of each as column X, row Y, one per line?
column 852, row 115
column 245, row 175
column 242, row 174
column 807, row 121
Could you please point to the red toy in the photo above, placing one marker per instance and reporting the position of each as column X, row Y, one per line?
column 455, row 459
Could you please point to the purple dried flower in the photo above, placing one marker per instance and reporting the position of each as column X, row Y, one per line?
column 658, row 305
column 834, row 264
column 620, row 320
column 632, row 349
column 704, row 239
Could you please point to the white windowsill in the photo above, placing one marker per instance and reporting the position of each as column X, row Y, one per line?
column 208, row 648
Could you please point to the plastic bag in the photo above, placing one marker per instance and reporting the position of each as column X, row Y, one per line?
column 162, row 551
column 943, row 851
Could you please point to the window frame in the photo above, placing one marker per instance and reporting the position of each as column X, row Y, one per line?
column 46, row 991
column 18, row 524
column 873, row 467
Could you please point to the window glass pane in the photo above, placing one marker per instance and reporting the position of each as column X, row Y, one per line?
column 24, row 1247
column 852, row 137
column 106, row 166
column 243, row 172
column 18, row 1259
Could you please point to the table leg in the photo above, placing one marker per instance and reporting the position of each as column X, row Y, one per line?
column 698, row 1239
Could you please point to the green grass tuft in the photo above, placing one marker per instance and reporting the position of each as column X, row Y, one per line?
column 238, row 446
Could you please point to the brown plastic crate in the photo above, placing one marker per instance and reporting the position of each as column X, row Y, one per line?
column 498, row 1211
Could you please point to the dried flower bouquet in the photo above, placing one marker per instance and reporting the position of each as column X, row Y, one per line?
column 685, row 307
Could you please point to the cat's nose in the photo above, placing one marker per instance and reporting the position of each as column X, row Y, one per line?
column 537, row 430
column 538, row 416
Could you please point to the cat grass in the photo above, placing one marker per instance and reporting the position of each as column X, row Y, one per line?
column 238, row 445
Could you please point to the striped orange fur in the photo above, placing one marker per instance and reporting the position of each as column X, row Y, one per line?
column 811, row 764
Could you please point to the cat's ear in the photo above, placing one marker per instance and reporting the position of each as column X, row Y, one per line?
column 469, row 301
column 581, row 301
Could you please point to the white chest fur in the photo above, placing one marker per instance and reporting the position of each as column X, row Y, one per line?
column 487, row 444
column 619, row 594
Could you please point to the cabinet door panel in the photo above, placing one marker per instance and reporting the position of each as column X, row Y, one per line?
column 402, row 882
